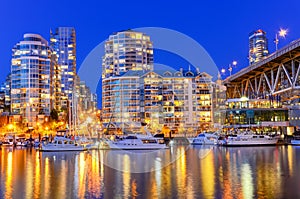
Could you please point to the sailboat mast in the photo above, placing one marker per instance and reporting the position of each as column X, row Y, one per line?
column 70, row 122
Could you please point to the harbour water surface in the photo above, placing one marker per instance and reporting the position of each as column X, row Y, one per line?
column 178, row 172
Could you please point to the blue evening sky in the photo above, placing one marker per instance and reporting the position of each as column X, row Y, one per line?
column 221, row 27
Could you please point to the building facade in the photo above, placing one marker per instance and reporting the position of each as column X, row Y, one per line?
column 63, row 43
column 86, row 100
column 30, row 79
column 260, row 115
column 127, row 50
column 258, row 46
column 57, row 99
column 7, row 100
column 218, row 103
column 180, row 100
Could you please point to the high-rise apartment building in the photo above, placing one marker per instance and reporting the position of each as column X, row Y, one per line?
column 7, row 101
column 121, row 99
column 180, row 100
column 5, row 95
column 55, row 84
column 258, row 46
column 86, row 100
column 127, row 50
column 63, row 43
column 30, row 78
column 2, row 98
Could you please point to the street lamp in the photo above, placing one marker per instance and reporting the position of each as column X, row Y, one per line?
column 231, row 65
column 281, row 33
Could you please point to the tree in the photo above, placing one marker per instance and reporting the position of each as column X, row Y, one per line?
column 54, row 115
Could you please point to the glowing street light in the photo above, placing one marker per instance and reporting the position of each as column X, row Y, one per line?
column 281, row 33
column 233, row 64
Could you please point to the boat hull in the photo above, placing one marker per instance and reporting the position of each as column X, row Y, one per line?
column 50, row 149
column 204, row 142
column 245, row 143
column 295, row 142
column 123, row 146
column 205, row 139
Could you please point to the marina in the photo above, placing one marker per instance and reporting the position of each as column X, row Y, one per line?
column 179, row 172
column 201, row 104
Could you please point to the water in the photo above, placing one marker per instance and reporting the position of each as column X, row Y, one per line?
column 179, row 172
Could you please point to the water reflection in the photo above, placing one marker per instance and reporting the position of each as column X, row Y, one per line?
column 180, row 172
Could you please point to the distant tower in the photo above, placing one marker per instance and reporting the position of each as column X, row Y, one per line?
column 63, row 43
column 258, row 46
column 127, row 50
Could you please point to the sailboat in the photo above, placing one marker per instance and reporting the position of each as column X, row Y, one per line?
column 66, row 140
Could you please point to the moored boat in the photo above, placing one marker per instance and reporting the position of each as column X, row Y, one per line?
column 62, row 143
column 133, row 142
column 205, row 139
column 8, row 141
column 21, row 141
column 296, row 139
column 249, row 140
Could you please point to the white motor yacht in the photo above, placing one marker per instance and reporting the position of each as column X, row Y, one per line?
column 8, row 141
column 62, row 143
column 205, row 139
column 21, row 141
column 249, row 140
column 133, row 142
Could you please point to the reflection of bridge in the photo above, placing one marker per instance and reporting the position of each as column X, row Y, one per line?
column 278, row 74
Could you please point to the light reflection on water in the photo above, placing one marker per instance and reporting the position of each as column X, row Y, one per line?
column 179, row 172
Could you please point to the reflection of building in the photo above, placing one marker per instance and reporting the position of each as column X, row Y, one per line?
column 258, row 46
column 181, row 100
column 127, row 50
column 30, row 78
column 63, row 43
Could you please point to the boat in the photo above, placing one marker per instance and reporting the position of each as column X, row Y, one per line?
column 296, row 139
column 246, row 139
column 8, row 141
column 21, row 141
column 135, row 141
column 62, row 143
column 205, row 139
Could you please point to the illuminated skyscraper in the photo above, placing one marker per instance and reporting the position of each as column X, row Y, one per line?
column 127, row 50
column 63, row 43
column 30, row 79
column 258, row 46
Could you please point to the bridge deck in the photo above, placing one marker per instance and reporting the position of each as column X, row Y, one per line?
column 284, row 54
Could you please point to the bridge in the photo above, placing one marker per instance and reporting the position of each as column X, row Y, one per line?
column 277, row 75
